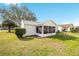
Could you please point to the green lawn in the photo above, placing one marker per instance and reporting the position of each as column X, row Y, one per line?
column 60, row 44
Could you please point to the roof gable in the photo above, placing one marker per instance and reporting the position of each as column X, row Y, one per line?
column 49, row 23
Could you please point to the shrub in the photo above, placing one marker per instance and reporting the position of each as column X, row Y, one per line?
column 19, row 31
column 72, row 30
column 58, row 31
column 76, row 30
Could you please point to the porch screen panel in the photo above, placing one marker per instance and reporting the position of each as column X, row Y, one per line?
column 49, row 29
column 39, row 29
column 53, row 29
column 46, row 30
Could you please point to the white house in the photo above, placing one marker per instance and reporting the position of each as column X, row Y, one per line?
column 59, row 28
column 44, row 29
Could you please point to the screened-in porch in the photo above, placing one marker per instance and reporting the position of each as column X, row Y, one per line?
column 45, row 30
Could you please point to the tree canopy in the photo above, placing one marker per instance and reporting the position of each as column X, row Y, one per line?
column 17, row 13
column 8, row 24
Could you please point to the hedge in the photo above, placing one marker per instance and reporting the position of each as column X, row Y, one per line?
column 20, row 31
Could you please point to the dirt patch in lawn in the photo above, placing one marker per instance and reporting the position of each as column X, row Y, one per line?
column 59, row 47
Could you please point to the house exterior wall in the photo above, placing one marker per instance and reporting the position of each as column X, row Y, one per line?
column 30, row 30
column 60, row 28
column 68, row 29
column 56, row 29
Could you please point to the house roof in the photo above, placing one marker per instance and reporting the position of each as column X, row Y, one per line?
column 30, row 22
column 49, row 23
column 66, row 25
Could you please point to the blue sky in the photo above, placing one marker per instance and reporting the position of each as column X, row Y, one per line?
column 59, row 12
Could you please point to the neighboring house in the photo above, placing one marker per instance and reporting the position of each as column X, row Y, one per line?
column 67, row 27
column 44, row 29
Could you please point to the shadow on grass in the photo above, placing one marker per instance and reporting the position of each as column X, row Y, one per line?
column 27, row 38
column 62, row 36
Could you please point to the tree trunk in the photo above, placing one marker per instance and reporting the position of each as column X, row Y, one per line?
column 9, row 29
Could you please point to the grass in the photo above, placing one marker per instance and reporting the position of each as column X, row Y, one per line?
column 7, row 31
column 62, row 44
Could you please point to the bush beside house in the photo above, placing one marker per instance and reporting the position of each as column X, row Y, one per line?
column 20, row 31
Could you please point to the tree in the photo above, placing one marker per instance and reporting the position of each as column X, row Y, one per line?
column 9, row 24
column 77, row 29
column 0, row 25
column 17, row 13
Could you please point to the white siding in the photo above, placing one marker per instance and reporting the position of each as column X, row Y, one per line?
column 60, row 28
column 30, row 30
column 68, row 29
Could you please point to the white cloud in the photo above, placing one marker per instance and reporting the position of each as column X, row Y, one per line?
column 66, row 22
column 9, row 3
column 76, row 22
